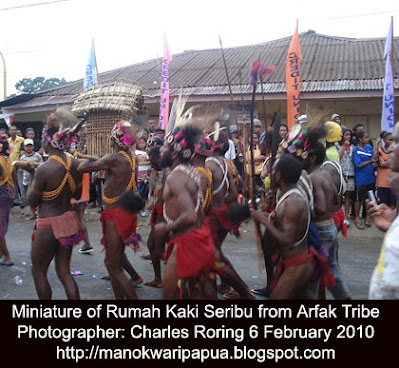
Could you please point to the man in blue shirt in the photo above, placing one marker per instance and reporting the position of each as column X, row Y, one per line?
column 364, row 174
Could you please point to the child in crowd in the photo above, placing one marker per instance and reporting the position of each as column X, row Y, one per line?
column 29, row 155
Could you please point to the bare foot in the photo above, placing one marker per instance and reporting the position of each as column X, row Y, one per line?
column 146, row 257
column 157, row 284
column 136, row 282
column 223, row 289
column 107, row 278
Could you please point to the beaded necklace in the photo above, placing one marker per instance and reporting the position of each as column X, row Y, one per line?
column 6, row 164
column 208, row 193
column 193, row 174
column 51, row 195
column 233, row 170
column 132, row 181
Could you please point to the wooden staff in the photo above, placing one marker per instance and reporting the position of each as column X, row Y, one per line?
column 234, row 112
column 22, row 164
column 261, row 263
column 83, row 155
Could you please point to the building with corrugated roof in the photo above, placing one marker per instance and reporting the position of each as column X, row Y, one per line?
column 338, row 75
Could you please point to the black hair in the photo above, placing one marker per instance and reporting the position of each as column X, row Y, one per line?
column 190, row 135
column 319, row 151
column 385, row 134
column 290, row 168
column 155, row 141
column 268, row 138
column 5, row 147
column 223, row 137
column 344, row 130
column 357, row 126
column 361, row 134
column 155, row 151
column 131, row 202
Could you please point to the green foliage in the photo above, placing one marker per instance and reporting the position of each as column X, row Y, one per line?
column 29, row 85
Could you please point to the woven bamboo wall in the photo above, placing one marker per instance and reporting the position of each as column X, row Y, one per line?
column 99, row 126
column 107, row 103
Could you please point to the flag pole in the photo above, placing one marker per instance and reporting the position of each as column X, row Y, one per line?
column 4, row 75
column 388, row 113
column 228, row 82
column 243, row 146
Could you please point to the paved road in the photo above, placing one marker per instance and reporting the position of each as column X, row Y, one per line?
column 358, row 255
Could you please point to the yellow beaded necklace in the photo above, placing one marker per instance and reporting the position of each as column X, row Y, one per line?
column 132, row 183
column 233, row 170
column 208, row 193
column 53, row 194
column 6, row 164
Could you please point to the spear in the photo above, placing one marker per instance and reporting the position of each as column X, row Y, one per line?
column 257, row 70
column 263, row 98
column 251, row 180
column 232, row 103
column 228, row 82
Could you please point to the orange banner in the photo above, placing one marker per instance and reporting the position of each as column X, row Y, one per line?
column 292, row 77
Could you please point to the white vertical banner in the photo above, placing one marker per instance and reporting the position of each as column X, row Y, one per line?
column 164, row 101
column 387, row 115
column 91, row 68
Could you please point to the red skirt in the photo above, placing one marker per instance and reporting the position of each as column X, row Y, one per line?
column 195, row 251
column 339, row 218
column 222, row 216
column 322, row 268
column 157, row 210
column 66, row 228
column 126, row 225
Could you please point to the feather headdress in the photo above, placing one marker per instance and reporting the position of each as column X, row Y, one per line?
column 206, row 120
column 176, row 112
column 303, row 136
column 123, row 134
column 61, row 128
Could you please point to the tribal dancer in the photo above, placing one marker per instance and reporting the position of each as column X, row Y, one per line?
column 224, row 193
column 334, row 135
column 306, row 144
column 156, row 245
column 270, row 253
column 288, row 228
column 190, row 255
column 57, row 227
column 118, row 225
column 7, row 178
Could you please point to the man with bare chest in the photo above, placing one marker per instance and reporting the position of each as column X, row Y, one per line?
column 190, row 254
column 325, row 198
column 156, row 244
column 287, row 228
column 57, row 227
column 119, row 226
column 224, row 192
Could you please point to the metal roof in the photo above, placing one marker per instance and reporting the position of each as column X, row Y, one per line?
column 329, row 64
